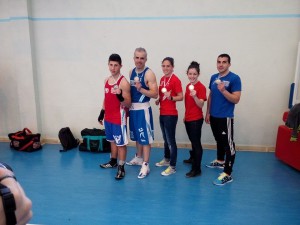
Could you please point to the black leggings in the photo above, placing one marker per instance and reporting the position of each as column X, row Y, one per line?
column 193, row 129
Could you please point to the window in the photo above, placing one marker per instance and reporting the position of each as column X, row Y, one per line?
column 296, row 92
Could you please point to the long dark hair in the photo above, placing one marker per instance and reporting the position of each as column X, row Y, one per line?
column 194, row 65
column 170, row 59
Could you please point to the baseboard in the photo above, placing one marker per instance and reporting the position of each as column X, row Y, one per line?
column 213, row 147
column 179, row 145
column 51, row 140
column 3, row 139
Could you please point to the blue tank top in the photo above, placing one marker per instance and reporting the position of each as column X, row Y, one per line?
column 137, row 96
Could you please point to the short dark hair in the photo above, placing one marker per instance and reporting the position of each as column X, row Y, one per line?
column 225, row 56
column 194, row 65
column 116, row 58
column 170, row 59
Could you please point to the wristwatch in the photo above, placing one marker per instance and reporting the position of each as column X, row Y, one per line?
column 9, row 205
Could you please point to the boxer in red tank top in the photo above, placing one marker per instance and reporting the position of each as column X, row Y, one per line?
column 116, row 102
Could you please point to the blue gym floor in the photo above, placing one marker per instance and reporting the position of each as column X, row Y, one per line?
column 71, row 188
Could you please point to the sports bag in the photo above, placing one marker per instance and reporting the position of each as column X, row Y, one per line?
column 94, row 140
column 67, row 139
column 25, row 140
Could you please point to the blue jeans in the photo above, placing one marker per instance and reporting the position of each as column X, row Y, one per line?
column 168, row 129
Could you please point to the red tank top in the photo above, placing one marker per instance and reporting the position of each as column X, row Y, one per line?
column 114, row 112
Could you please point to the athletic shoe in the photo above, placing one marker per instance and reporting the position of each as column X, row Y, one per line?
column 110, row 164
column 223, row 179
column 121, row 172
column 145, row 170
column 168, row 171
column 163, row 163
column 136, row 161
column 193, row 173
column 190, row 160
column 216, row 164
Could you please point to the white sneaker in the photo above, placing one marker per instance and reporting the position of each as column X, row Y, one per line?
column 145, row 170
column 163, row 163
column 168, row 171
column 136, row 161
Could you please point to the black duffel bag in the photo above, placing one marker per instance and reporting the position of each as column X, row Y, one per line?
column 94, row 140
column 25, row 141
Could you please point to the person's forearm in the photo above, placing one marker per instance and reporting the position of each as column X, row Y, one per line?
column 149, row 93
column 5, row 176
column 23, row 204
column 208, row 106
column 126, row 103
column 232, row 97
column 199, row 102
column 178, row 97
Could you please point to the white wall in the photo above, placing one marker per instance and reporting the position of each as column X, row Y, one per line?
column 67, row 44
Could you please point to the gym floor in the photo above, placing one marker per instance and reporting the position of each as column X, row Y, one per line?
column 71, row 188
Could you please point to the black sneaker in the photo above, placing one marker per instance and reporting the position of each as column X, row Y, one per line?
column 216, row 164
column 121, row 172
column 193, row 173
column 223, row 179
column 110, row 164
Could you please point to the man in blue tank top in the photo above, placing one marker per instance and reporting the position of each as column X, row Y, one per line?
column 143, row 88
column 225, row 92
